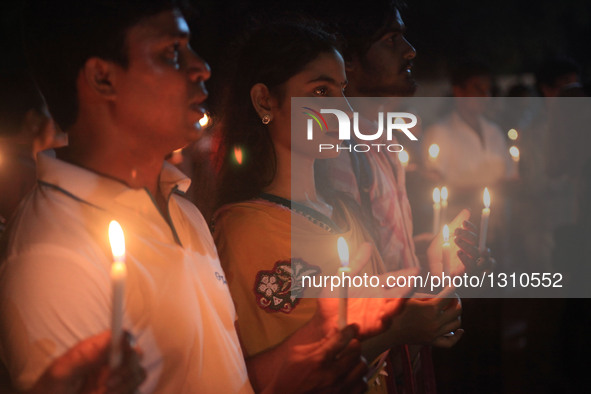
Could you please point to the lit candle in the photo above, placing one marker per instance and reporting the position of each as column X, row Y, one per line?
column 443, row 204
column 484, row 220
column 118, row 276
column 238, row 155
column 513, row 134
column 445, row 249
column 433, row 152
column 436, row 209
column 404, row 158
column 204, row 122
column 514, row 151
column 344, row 270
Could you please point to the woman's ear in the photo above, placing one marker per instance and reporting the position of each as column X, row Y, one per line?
column 262, row 101
column 100, row 77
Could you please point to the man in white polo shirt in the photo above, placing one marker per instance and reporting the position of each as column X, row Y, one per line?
column 122, row 80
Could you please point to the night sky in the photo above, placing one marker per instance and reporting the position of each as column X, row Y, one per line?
column 514, row 36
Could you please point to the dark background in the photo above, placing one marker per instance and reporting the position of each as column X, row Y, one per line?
column 514, row 36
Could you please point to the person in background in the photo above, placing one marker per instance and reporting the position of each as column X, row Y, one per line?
column 25, row 130
column 556, row 74
column 378, row 61
column 473, row 153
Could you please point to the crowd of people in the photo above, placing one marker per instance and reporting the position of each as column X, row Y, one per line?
column 215, row 255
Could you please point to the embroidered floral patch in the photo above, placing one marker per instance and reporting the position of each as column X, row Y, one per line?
column 273, row 289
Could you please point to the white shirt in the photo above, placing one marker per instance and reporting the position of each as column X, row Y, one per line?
column 463, row 160
column 55, row 286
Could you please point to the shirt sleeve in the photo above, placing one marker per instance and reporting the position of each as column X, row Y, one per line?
column 254, row 248
column 50, row 299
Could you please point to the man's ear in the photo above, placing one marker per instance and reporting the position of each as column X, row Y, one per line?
column 262, row 100
column 100, row 76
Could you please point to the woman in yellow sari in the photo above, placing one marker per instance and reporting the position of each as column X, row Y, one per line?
column 274, row 226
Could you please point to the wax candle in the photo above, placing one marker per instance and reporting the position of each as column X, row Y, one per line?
column 433, row 152
column 446, row 250
column 204, row 122
column 436, row 209
column 484, row 220
column 513, row 134
column 118, row 277
column 444, row 204
column 404, row 158
column 514, row 152
column 344, row 270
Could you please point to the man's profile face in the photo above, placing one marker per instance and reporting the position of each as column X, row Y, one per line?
column 385, row 70
column 159, row 94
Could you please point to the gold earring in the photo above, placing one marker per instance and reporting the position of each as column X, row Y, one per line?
column 266, row 119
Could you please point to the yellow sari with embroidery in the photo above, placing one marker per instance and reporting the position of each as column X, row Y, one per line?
column 260, row 244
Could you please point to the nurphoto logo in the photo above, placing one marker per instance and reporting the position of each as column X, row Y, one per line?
column 395, row 121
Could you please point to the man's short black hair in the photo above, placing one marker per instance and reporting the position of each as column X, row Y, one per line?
column 61, row 35
column 358, row 23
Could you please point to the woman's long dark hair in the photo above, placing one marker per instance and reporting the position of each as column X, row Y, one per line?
column 271, row 54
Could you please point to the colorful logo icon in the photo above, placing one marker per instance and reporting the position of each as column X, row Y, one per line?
column 316, row 116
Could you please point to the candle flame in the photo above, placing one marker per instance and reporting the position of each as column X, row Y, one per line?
column 204, row 121
column 486, row 198
column 434, row 151
column 513, row 134
column 445, row 234
column 436, row 195
column 117, row 240
column 514, row 151
column 403, row 157
column 444, row 193
column 343, row 249
column 238, row 154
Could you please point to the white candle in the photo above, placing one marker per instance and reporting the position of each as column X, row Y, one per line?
column 344, row 270
column 513, row 134
column 443, row 204
column 204, row 122
column 433, row 152
column 484, row 220
column 404, row 158
column 436, row 209
column 446, row 250
column 118, row 276
column 514, row 152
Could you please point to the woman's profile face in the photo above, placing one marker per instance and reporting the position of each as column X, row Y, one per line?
column 322, row 77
